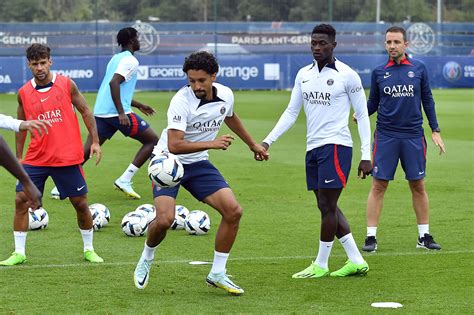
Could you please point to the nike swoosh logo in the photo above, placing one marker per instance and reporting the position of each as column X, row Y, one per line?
column 304, row 81
column 144, row 279
column 421, row 173
column 44, row 99
column 80, row 188
column 387, row 76
column 328, row 181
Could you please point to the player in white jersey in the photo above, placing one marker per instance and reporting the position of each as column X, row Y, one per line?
column 195, row 116
column 326, row 89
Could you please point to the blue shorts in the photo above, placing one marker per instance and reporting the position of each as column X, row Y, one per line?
column 68, row 179
column 106, row 127
column 328, row 167
column 388, row 150
column 201, row 179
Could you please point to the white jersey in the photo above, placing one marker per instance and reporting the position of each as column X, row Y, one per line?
column 327, row 97
column 10, row 123
column 200, row 120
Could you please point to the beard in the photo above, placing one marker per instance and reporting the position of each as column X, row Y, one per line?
column 201, row 94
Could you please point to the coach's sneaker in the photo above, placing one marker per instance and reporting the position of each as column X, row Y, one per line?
column 427, row 242
column 351, row 269
column 142, row 273
column 14, row 259
column 313, row 271
column 92, row 256
column 221, row 280
column 370, row 244
column 55, row 193
column 127, row 189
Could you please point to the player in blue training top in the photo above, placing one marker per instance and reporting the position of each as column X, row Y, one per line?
column 326, row 89
column 113, row 109
column 399, row 87
column 195, row 116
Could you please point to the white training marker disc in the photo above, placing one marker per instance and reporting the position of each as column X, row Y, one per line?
column 200, row 263
column 386, row 304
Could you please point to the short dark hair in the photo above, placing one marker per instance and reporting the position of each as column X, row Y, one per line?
column 397, row 29
column 125, row 36
column 201, row 60
column 37, row 52
column 325, row 29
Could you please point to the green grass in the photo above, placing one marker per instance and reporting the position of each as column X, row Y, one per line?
column 278, row 236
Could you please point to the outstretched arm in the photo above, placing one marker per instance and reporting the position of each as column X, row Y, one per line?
column 80, row 103
column 236, row 125
column 178, row 145
column 145, row 109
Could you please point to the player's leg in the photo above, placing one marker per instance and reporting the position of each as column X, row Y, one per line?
column 142, row 132
column 38, row 176
column 386, row 151
column 226, row 204
column 165, row 202
column 413, row 161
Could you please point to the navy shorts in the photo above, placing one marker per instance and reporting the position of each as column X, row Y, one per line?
column 106, row 127
column 68, row 179
column 328, row 167
column 201, row 179
column 388, row 150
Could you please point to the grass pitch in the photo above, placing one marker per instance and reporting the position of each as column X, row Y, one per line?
column 278, row 235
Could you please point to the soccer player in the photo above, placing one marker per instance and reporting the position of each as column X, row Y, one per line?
column 113, row 109
column 195, row 116
column 327, row 88
column 399, row 87
column 59, row 153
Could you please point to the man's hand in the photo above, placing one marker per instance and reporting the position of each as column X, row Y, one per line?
column 260, row 152
column 365, row 168
column 41, row 126
column 33, row 194
column 123, row 119
column 95, row 149
column 354, row 118
column 223, row 142
column 147, row 110
column 436, row 137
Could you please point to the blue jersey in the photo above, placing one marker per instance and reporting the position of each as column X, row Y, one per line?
column 126, row 65
column 397, row 93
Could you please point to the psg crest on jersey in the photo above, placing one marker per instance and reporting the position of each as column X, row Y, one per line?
column 222, row 110
column 330, row 82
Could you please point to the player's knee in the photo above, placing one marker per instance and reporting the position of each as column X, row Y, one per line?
column 233, row 214
column 20, row 202
column 163, row 222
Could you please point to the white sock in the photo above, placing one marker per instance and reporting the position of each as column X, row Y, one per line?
column 129, row 172
column 87, row 237
column 220, row 260
column 323, row 254
column 148, row 252
column 349, row 244
column 20, row 241
column 422, row 229
column 371, row 231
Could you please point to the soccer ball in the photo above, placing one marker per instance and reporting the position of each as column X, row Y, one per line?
column 148, row 211
column 165, row 170
column 38, row 219
column 181, row 212
column 197, row 223
column 134, row 224
column 101, row 208
column 98, row 218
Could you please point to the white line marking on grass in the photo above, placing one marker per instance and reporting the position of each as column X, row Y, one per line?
column 187, row 261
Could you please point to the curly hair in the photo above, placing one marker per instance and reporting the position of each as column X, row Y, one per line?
column 125, row 36
column 201, row 60
column 37, row 52
column 325, row 29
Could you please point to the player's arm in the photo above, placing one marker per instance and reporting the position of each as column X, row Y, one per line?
column 374, row 95
column 357, row 98
column 114, row 84
column 178, row 145
column 20, row 137
column 10, row 123
column 8, row 160
column 147, row 110
column 235, row 124
column 80, row 103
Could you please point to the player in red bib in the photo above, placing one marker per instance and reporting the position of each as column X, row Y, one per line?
column 59, row 154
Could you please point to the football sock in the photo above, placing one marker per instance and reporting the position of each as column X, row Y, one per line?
column 348, row 242
column 129, row 172
column 423, row 229
column 148, row 252
column 20, row 242
column 323, row 254
column 371, row 231
column 87, row 237
column 220, row 260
